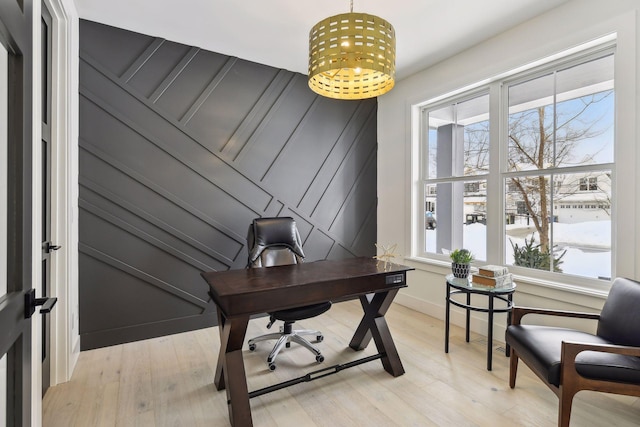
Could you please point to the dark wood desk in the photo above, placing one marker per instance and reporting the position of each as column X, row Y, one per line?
column 240, row 293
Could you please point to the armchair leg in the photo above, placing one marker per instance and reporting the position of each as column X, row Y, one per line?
column 564, row 407
column 513, row 368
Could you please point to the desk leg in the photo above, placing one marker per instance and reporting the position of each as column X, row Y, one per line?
column 490, row 334
column 362, row 335
column 218, row 379
column 373, row 324
column 447, row 310
column 230, row 370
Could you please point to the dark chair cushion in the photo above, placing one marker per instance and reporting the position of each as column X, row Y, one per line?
column 300, row 313
column 540, row 346
column 620, row 316
column 608, row 367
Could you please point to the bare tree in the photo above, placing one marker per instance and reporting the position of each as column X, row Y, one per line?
column 476, row 147
column 542, row 138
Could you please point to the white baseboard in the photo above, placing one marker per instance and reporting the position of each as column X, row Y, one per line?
column 479, row 321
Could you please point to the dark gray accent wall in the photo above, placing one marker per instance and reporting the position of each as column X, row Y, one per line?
column 180, row 148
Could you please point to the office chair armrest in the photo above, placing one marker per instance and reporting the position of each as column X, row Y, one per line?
column 519, row 312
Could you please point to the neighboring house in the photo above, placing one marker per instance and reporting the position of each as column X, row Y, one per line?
column 585, row 198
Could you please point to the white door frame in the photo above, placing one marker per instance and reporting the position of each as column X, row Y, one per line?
column 64, row 188
column 65, row 338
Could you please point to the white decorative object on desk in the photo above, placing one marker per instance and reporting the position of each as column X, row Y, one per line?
column 388, row 252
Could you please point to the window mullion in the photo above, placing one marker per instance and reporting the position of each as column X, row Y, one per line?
column 495, row 195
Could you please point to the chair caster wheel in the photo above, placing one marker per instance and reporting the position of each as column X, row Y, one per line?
column 320, row 358
column 319, row 338
column 272, row 366
column 252, row 347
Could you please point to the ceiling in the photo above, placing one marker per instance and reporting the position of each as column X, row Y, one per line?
column 275, row 32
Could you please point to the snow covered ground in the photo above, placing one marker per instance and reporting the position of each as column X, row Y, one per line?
column 588, row 245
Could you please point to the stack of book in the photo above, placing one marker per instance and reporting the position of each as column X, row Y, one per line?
column 494, row 276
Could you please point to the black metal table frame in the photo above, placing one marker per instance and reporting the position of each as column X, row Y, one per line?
column 506, row 296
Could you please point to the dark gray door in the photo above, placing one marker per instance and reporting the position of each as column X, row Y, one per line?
column 15, row 190
column 47, row 245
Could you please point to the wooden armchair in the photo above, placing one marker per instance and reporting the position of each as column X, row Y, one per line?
column 568, row 360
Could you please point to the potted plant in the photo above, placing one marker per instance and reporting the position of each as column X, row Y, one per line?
column 461, row 260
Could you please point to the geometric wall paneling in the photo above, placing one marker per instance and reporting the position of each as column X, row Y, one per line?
column 180, row 148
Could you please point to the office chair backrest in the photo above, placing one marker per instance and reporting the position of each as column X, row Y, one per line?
column 274, row 241
column 620, row 317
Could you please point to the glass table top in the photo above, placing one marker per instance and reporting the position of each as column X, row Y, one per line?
column 467, row 284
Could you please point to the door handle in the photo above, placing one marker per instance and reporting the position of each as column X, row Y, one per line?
column 31, row 302
column 49, row 247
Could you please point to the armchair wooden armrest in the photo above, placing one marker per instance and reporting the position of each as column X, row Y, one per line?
column 572, row 381
column 519, row 312
column 570, row 349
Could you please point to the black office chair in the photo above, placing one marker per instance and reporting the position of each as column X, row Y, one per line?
column 272, row 242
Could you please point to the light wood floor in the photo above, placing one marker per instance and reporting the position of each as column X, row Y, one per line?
column 168, row 381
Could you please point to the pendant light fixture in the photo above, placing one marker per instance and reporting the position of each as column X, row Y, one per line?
column 352, row 56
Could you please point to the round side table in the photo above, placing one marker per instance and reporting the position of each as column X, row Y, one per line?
column 457, row 286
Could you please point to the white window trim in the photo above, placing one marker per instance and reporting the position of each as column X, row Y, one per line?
column 622, row 263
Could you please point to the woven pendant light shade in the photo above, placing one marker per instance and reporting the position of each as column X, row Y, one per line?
column 352, row 56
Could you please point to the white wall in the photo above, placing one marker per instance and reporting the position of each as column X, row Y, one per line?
column 572, row 24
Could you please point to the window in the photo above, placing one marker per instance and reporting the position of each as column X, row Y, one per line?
column 560, row 130
column 471, row 187
column 456, row 144
column 456, row 147
column 588, row 184
column 584, row 186
column 553, row 174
